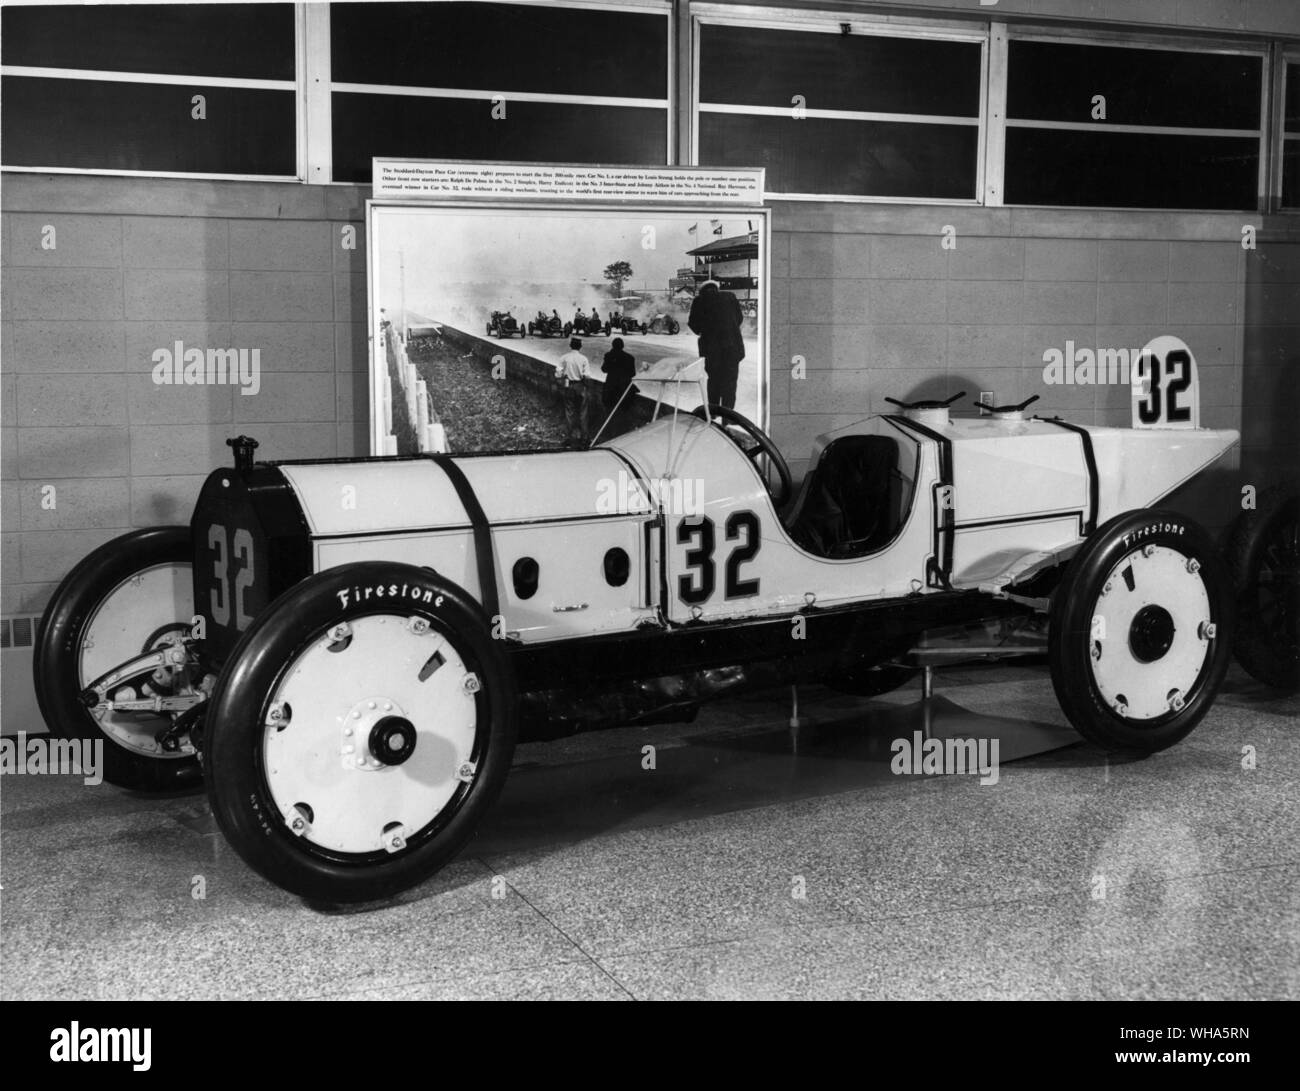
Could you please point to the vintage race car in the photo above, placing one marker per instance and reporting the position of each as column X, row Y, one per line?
column 623, row 323
column 662, row 323
column 588, row 325
column 548, row 326
column 346, row 650
column 504, row 324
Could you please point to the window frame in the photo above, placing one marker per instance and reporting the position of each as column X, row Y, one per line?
column 319, row 165
column 1168, row 43
column 1286, row 55
column 297, row 85
column 830, row 22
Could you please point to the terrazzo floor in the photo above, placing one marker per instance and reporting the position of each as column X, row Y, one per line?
column 751, row 862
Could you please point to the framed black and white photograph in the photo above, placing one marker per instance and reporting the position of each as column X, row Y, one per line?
column 479, row 303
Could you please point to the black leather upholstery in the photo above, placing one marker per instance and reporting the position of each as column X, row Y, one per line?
column 851, row 502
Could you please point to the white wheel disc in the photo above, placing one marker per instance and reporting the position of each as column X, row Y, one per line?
column 1150, row 633
column 156, row 603
column 327, row 773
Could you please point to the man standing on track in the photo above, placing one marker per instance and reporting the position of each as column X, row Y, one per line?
column 571, row 375
column 716, row 318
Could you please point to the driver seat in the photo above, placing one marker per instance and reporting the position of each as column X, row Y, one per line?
column 846, row 507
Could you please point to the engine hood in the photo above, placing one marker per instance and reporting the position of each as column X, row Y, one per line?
column 374, row 497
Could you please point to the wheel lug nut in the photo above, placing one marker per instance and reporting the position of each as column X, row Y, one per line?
column 1193, row 565
column 471, row 685
column 1208, row 630
column 1148, row 550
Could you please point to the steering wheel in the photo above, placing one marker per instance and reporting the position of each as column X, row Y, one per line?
column 785, row 483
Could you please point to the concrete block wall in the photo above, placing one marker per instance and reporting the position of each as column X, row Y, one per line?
column 137, row 265
column 869, row 298
column 1271, row 363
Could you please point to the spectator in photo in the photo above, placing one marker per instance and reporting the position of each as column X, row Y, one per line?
column 571, row 374
column 620, row 369
column 716, row 318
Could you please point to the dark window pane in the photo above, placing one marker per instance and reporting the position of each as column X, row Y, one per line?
column 501, row 47
column 1130, row 170
column 1291, row 173
column 749, row 67
column 1293, row 98
column 253, row 41
column 1055, row 81
column 864, row 158
column 437, row 128
column 136, row 126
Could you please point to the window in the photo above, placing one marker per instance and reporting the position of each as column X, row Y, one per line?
column 205, row 89
column 1132, row 127
column 571, row 84
column 1291, row 136
column 856, row 114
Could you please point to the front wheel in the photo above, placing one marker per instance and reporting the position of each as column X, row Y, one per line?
column 360, row 731
column 1139, row 634
column 130, row 596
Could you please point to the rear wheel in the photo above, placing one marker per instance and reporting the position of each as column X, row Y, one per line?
column 1263, row 557
column 1139, row 632
column 360, row 731
column 130, row 596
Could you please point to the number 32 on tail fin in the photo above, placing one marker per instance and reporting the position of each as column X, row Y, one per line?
column 1166, row 389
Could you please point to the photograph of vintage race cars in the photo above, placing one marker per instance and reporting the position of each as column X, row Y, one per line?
column 476, row 306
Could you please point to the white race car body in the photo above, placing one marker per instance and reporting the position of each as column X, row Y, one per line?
column 969, row 499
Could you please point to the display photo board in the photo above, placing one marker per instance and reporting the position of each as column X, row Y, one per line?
column 473, row 303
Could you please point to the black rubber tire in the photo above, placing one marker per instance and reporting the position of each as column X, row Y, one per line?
column 59, row 638
column 1267, row 644
column 1070, row 627
column 237, row 789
